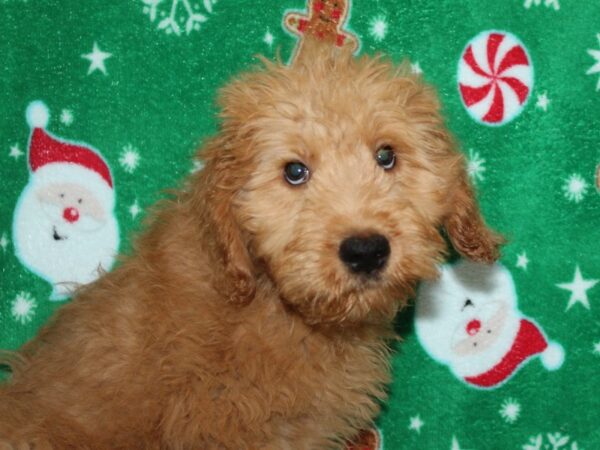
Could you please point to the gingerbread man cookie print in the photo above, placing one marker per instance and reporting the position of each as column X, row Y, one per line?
column 325, row 21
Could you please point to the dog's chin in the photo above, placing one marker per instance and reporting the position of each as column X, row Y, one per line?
column 369, row 303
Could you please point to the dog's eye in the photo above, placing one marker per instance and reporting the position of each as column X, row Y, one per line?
column 386, row 157
column 296, row 173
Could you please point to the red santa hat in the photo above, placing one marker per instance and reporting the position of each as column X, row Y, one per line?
column 54, row 160
column 530, row 341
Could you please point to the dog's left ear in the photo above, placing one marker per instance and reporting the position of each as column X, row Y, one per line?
column 467, row 230
column 220, row 181
column 461, row 218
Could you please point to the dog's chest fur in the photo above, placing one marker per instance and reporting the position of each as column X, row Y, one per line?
column 278, row 376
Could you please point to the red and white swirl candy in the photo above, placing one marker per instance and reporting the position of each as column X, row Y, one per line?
column 495, row 77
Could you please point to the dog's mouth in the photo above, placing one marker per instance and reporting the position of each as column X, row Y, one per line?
column 56, row 236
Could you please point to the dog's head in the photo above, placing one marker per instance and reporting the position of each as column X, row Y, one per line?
column 336, row 177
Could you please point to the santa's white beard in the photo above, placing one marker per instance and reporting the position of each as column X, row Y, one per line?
column 77, row 257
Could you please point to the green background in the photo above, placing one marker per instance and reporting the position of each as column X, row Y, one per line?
column 158, row 97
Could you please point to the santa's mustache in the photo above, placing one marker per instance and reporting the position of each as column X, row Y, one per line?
column 63, row 221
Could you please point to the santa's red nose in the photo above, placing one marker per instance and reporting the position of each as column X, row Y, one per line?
column 473, row 327
column 71, row 215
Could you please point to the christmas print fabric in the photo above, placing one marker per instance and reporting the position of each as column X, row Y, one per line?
column 103, row 106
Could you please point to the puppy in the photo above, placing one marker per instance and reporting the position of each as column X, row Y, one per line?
column 256, row 310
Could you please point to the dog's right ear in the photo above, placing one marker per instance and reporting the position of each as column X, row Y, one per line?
column 217, row 185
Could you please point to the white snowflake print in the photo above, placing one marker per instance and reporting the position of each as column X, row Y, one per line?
column 535, row 443
column 596, row 67
column 378, row 28
column 543, row 102
column 596, row 350
column 415, row 424
column 15, row 152
column 553, row 441
column 4, row 242
column 66, row 117
column 23, row 307
column 510, row 410
column 547, row 3
column 134, row 209
column 178, row 15
column 522, row 261
column 575, row 188
column 268, row 38
column 475, row 167
column 130, row 158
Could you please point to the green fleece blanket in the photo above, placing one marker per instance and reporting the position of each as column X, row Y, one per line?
column 103, row 104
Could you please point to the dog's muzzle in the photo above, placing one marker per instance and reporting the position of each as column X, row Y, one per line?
column 365, row 255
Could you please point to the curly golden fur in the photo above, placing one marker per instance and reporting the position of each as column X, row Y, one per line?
column 234, row 324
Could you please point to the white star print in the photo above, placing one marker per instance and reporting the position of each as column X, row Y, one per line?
column 416, row 69
column 96, row 58
column 543, row 101
column 416, row 423
column 3, row 242
column 522, row 261
column 66, row 117
column 455, row 444
column 15, row 151
column 578, row 287
column 134, row 209
column 596, row 67
column 197, row 166
column 268, row 39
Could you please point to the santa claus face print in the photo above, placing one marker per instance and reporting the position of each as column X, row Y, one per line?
column 71, row 208
column 482, row 325
column 468, row 320
column 64, row 240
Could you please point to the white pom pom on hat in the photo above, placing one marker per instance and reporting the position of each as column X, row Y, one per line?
column 37, row 114
column 553, row 357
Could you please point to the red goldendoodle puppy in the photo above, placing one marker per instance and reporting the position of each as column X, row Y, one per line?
column 256, row 310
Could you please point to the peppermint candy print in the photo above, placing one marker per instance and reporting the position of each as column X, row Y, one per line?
column 495, row 77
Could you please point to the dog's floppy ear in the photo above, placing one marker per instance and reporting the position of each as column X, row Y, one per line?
column 465, row 226
column 221, row 179
column 461, row 217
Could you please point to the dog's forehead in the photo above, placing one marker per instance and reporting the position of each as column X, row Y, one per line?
column 317, row 118
column 310, row 113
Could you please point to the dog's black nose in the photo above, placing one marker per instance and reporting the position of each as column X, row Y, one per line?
column 365, row 254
